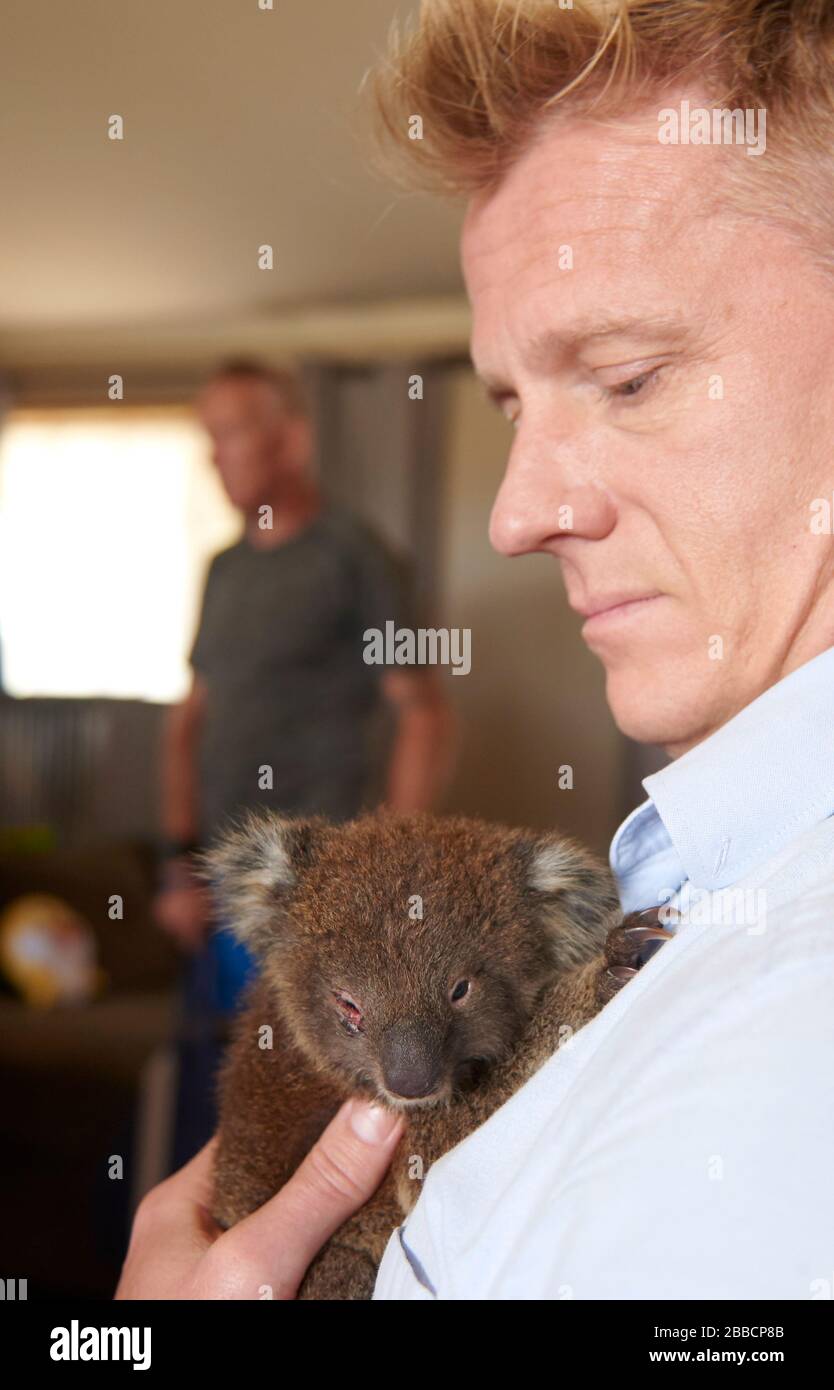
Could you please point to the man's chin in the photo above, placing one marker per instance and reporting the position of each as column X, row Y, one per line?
column 246, row 502
column 647, row 706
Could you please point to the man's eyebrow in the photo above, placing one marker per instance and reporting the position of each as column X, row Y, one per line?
column 552, row 343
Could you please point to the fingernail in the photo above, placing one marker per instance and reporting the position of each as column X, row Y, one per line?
column 372, row 1123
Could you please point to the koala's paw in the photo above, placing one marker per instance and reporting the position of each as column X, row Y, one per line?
column 628, row 946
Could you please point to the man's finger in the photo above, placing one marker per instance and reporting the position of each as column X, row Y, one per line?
column 172, row 1232
column 194, row 1180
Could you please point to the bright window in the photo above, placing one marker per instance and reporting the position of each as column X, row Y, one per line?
column 107, row 523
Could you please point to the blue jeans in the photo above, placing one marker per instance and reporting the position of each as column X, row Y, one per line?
column 214, row 981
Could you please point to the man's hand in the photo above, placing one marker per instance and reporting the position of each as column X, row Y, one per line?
column 183, row 906
column 178, row 1252
column 184, row 914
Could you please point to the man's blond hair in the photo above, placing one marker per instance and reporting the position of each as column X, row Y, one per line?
column 482, row 75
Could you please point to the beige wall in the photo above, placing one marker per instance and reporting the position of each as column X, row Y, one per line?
column 535, row 696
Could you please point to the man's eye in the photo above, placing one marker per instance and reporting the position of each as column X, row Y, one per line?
column 635, row 386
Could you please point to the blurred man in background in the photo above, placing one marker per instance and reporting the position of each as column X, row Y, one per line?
column 281, row 699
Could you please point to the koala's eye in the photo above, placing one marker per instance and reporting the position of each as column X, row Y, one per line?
column 350, row 1014
column 460, row 991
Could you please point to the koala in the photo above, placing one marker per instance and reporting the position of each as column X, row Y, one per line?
column 431, row 963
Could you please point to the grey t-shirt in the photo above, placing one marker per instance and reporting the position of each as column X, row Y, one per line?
column 280, row 650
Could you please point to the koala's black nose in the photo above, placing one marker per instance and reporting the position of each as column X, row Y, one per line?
column 411, row 1059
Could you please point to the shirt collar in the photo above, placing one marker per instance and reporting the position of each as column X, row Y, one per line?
column 736, row 799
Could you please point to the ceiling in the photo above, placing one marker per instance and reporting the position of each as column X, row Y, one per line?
column 242, row 127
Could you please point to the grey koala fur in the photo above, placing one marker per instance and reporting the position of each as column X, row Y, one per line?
column 433, row 963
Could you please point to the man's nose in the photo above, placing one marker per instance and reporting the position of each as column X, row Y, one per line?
column 540, row 501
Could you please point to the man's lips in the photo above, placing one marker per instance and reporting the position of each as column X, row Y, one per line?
column 612, row 605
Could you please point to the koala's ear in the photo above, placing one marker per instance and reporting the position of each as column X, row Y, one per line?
column 576, row 896
column 252, row 870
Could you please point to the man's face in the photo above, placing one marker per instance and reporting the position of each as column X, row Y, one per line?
column 672, row 400
column 256, row 445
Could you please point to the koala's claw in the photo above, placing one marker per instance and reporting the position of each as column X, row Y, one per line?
column 628, row 946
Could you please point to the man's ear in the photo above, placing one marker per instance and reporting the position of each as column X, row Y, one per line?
column 252, row 870
column 576, row 898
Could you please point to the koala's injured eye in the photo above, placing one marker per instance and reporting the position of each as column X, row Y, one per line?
column 350, row 1014
column 460, row 991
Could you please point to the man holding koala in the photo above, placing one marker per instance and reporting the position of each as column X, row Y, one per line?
column 657, row 320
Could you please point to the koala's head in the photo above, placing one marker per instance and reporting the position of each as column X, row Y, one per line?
column 406, row 951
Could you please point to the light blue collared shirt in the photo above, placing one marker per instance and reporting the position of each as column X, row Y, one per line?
column 680, row 1145
column 736, row 799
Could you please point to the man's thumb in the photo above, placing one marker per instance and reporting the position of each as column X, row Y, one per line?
column 339, row 1174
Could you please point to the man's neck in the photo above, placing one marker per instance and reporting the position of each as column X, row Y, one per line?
column 290, row 516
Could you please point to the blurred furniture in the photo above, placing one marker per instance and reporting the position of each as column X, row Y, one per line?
column 83, row 1088
column 87, row 768
column 74, row 1082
